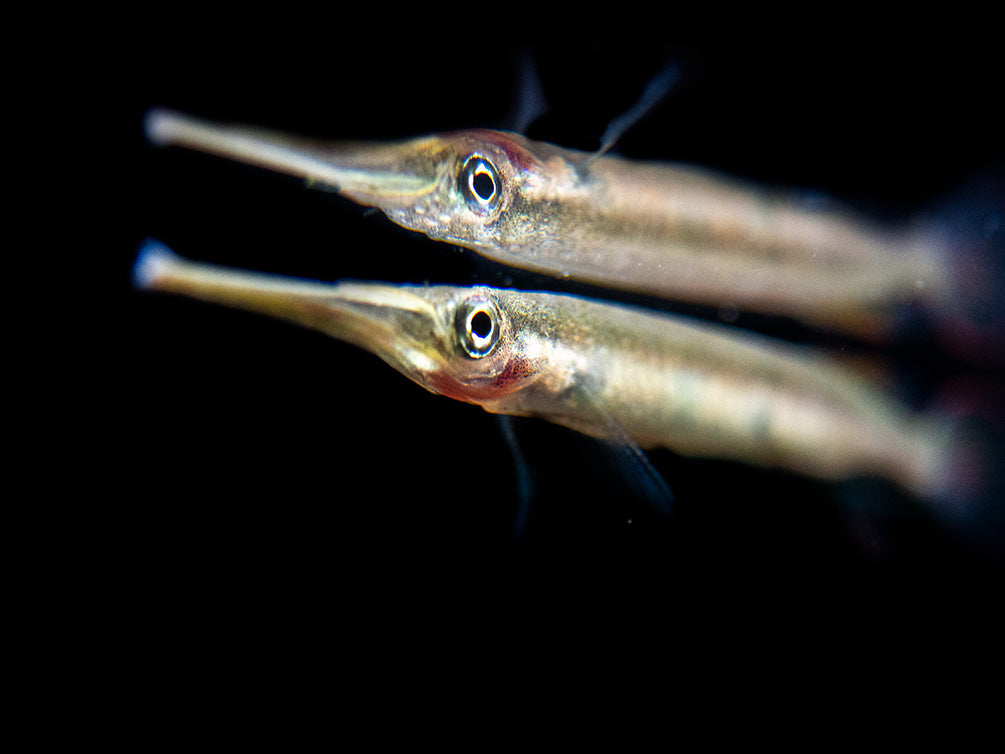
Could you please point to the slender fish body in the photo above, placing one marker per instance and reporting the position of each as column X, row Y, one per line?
column 670, row 231
column 617, row 373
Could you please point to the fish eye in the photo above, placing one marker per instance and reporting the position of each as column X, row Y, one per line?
column 477, row 324
column 480, row 183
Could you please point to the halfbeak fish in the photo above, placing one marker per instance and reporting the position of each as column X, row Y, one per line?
column 617, row 373
column 670, row 231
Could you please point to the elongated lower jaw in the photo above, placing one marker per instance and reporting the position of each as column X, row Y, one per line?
column 390, row 321
column 154, row 265
column 386, row 175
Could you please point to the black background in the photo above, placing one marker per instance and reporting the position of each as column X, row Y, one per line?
column 266, row 490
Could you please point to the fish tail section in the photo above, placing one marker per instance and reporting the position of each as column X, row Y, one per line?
column 970, row 321
column 961, row 472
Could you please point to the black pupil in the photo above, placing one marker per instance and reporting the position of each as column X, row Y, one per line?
column 483, row 185
column 481, row 324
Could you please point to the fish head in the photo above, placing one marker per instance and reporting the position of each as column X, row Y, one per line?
column 480, row 345
column 479, row 189
column 491, row 191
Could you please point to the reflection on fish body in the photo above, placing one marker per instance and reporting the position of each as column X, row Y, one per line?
column 610, row 371
column 670, row 231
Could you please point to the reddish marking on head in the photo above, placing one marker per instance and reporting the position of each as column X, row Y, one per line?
column 512, row 375
column 517, row 369
column 511, row 145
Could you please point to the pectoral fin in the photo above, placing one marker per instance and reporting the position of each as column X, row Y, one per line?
column 630, row 459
